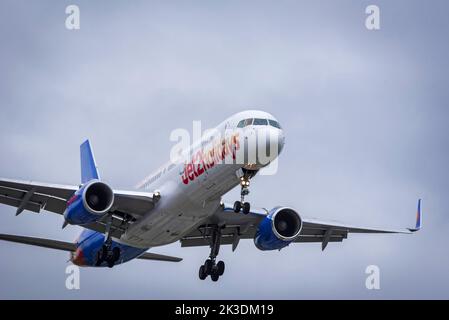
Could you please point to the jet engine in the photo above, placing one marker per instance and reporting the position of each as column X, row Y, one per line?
column 89, row 203
column 278, row 229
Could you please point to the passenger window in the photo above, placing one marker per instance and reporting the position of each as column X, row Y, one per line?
column 248, row 122
column 260, row 122
column 241, row 124
column 275, row 124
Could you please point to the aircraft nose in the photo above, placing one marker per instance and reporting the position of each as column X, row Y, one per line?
column 276, row 140
column 274, row 143
column 281, row 140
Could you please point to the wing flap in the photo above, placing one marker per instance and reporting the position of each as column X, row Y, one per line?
column 37, row 201
column 309, row 239
column 205, row 241
column 311, row 230
column 13, row 202
column 55, row 190
column 314, row 225
column 117, row 227
column 134, row 203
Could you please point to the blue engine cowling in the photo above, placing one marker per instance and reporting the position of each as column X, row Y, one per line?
column 92, row 201
column 278, row 229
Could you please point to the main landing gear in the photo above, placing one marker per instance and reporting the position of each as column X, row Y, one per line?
column 245, row 207
column 107, row 253
column 210, row 267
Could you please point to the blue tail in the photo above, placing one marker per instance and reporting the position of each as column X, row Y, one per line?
column 89, row 170
column 418, row 218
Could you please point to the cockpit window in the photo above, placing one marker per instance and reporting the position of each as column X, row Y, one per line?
column 248, row 122
column 260, row 122
column 275, row 124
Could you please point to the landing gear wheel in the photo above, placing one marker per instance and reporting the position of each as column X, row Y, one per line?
column 104, row 253
column 237, row 206
column 208, row 266
column 202, row 273
column 215, row 276
column 220, row 268
column 246, row 208
column 111, row 263
column 99, row 260
column 115, row 254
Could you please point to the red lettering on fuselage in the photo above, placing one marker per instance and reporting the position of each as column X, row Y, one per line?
column 203, row 160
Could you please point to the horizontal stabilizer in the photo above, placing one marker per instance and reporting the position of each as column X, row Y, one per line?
column 71, row 247
column 46, row 243
column 158, row 257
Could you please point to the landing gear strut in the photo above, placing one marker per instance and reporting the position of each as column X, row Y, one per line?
column 245, row 207
column 210, row 267
column 107, row 253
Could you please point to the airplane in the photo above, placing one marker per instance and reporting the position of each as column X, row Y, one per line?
column 181, row 201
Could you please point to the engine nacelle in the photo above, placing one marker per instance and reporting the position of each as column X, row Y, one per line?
column 89, row 203
column 278, row 229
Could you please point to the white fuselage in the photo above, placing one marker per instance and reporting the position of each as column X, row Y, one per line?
column 191, row 189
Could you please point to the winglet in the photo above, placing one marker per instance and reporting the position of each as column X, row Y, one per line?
column 89, row 170
column 418, row 218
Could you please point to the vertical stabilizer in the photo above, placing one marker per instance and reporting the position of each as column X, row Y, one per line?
column 89, row 170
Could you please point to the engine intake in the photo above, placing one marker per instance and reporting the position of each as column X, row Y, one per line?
column 278, row 229
column 287, row 224
column 89, row 203
column 98, row 198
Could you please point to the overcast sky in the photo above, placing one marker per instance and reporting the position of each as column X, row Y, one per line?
column 365, row 115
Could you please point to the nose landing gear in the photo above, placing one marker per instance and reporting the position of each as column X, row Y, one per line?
column 245, row 207
column 210, row 267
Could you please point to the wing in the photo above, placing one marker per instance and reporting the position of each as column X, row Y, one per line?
column 71, row 247
column 239, row 226
column 34, row 196
column 314, row 230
